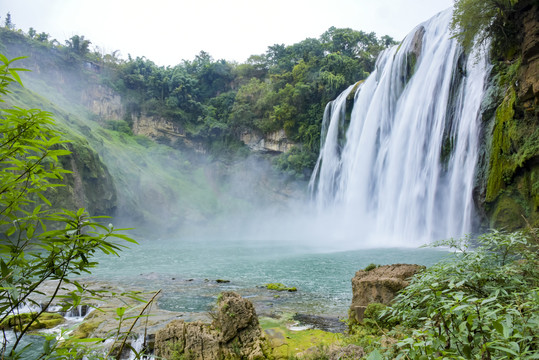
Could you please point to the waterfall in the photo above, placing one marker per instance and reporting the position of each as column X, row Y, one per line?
column 398, row 168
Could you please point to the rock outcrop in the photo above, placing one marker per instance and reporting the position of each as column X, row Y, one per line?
column 103, row 102
column 528, row 92
column 275, row 142
column 508, row 173
column 379, row 285
column 234, row 334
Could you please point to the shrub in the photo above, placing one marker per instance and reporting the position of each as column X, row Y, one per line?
column 481, row 303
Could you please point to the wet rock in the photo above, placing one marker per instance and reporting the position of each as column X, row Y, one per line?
column 234, row 333
column 417, row 42
column 379, row 285
column 326, row 323
column 528, row 89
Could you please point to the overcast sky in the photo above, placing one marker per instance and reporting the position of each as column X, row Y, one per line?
column 167, row 31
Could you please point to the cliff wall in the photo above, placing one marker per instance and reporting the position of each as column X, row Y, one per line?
column 509, row 171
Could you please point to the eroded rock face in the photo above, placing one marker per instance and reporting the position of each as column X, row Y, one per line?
column 528, row 91
column 234, row 334
column 379, row 285
column 103, row 102
column 275, row 142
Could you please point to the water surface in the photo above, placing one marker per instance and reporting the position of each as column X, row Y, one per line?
column 186, row 272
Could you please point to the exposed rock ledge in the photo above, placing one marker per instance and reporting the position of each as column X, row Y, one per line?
column 275, row 142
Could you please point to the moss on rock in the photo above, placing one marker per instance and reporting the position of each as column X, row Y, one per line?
column 512, row 186
column 286, row 343
column 44, row 321
column 501, row 167
column 507, row 214
column 87, row 328
column 279, row 287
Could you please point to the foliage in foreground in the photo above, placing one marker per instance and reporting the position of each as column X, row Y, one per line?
column 481, row 303
column 37, row 244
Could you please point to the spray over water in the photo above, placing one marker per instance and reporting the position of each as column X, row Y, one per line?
column 398, row 168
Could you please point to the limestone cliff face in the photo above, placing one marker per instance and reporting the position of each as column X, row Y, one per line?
column 165, row 131
column 155, row 127
column 103, row 102
column 528, row 80
column 275, row 142
column 509, row 191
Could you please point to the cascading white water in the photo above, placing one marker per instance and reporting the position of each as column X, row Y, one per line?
column 399, row 168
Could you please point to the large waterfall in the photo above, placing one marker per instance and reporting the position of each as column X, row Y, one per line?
column 398, row 167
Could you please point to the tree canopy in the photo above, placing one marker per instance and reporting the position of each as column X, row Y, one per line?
column 216, row 101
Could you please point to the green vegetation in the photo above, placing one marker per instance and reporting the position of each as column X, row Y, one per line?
column 214, row 101
column 37, row 242
column 370, row 267
column 480, row 303
column 476, row 21
column 280, row 287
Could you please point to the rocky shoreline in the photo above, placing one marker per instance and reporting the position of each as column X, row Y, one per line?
column 231, row 330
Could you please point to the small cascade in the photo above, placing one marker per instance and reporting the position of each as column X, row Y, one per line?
column 398, row 168
column 138, row 346
column 79, row 311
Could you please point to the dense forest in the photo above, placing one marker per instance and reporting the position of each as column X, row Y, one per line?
column 214, row 101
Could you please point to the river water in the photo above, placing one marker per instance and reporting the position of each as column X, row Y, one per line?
column 191, row 274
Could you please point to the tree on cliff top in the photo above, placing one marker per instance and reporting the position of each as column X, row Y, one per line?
column 476, row 21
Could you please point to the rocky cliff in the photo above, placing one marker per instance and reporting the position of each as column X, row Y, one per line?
column 89, row 185
column 509, row 170
column 107, row 105
column 103, row 102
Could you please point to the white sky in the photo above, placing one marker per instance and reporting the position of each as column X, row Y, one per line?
column 168, row 31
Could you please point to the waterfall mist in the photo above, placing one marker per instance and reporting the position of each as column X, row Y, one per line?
column 398, row 168
column 397, row 161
